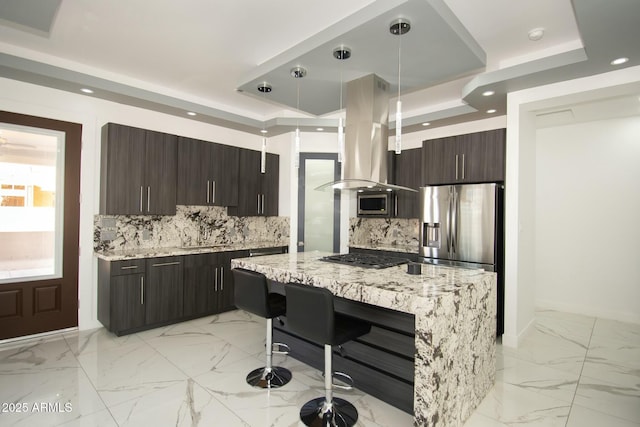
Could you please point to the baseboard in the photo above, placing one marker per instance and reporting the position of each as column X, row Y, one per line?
column 589, row 311
column 513, row 341
column 17, row 342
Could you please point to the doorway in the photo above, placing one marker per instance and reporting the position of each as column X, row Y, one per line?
column 39, row 224
column 318, row 211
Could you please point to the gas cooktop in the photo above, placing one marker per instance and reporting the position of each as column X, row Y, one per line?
column 366, row 260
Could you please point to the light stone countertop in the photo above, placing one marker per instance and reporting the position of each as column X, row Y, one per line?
column 118, row 255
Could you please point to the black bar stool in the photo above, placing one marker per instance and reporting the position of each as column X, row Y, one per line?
column 252, row 295
column 310, row 314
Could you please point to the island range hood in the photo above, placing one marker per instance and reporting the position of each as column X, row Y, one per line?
column 366, row 138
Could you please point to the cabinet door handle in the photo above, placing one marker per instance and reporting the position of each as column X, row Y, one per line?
column 456, row 167
column 208, row 192
column 215, row 280
column 148, row 199
column 258, row 202
column 262, row 204
column 463, row 166
column 141, row 209
column 222, row 278
column 213, row 191
column 163, row 264
column 395, row 206
column 142, row 290
column 129, row 267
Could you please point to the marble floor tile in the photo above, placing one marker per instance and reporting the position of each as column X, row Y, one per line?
column 98, row 419
column 612, row 399
column 98, row 339
column 537, row 378
column 38, row 355
column 67, row 389
column 611, row 330
column 585, row 417
column 196, row 352
column 571, row 371
column 182, row 404
column 129, row 372
column 512, row 405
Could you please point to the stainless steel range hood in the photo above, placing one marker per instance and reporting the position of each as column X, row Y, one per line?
column 366, row 137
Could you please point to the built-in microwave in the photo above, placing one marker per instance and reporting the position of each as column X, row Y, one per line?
column 375, row 204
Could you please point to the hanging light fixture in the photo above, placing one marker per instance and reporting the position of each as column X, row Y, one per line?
column 297, row 73
column 341, row 53
column 399, row 27
column 264, row 88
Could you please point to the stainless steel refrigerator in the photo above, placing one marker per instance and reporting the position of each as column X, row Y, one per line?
column 462, row 225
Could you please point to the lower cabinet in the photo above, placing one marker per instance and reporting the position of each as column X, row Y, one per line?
column 139, row 294
column 163, row 290
column 208, row 283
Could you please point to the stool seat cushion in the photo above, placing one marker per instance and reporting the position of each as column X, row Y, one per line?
column 251, row 293
column 311, row 315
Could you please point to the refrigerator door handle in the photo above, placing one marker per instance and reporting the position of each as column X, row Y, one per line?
column 454, row 221
column 448, row 220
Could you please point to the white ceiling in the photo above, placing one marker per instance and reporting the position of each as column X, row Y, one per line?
column 195, row 54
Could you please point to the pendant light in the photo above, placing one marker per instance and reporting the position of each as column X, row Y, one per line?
column 297, row 73
column 341, row 53
column 264, row 88
column 399, row 27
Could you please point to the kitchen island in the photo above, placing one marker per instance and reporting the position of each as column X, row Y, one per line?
column 454, row 311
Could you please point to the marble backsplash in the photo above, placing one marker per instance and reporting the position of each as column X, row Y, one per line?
column 191, row 226
column 384, row 233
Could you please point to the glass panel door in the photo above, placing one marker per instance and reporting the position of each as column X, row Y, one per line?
column 318, row 211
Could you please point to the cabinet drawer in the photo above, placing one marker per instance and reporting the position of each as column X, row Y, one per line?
column 130, row 266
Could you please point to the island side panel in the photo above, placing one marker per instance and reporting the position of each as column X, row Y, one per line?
column 455, row 354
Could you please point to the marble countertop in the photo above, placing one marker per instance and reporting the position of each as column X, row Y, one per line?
column 409, row 249
column 391, row 287
column 118, row 255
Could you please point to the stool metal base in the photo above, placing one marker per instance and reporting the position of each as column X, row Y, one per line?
column 317, row 413
column 273, row 378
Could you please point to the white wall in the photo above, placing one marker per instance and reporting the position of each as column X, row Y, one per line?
column 92, row 113
column 520, row 199
column 587, row 218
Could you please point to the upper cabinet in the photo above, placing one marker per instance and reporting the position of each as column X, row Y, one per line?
column 207, row 173
column 137, row 171
column 406, row 170
column 257, row 191
column 471, row 158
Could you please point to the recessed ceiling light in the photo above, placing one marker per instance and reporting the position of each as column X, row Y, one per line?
column 191, row 113
column 86, row 90
column 536, row 34
column 426, row 124
column 319, row 129
column 491, row 111
column 488, row 93
column 263, row 131
column 619, row 61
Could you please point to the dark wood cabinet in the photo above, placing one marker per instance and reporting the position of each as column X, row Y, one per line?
column 470, row 158
column 207, row 173
column 200, row 272
column 121, row 305
column 225, row 284
column 163, row 289
column 138, row 171
column 257, row 192
column 139, row 294
column 406, row 170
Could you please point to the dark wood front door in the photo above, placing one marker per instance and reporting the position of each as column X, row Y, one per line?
column 39, row 259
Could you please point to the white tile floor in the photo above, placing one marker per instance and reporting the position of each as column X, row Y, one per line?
column 572, row 371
